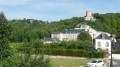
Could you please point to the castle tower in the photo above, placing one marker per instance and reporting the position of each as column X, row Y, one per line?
column 89, row 16
column 88, row 13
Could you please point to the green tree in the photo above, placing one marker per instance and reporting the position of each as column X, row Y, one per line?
column 84, row 36
column 6, row 53
column 31, row 57
column 5, row 50
column 118, row 36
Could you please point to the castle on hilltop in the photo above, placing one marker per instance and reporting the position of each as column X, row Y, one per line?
column 89, row 16
column 101, row 40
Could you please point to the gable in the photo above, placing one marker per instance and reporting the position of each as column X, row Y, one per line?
column 102, row 36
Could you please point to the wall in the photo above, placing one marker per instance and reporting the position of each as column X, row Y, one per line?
column 65, row 36
column 116, row 56
column 103, row 44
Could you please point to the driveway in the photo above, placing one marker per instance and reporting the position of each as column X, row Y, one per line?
column 116, row 62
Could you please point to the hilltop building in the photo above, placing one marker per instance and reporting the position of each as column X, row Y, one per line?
column 89, row 16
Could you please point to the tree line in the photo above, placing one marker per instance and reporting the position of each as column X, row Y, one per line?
column 28, row 29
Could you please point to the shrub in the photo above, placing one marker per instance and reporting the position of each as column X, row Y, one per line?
column 67, row 52
column 116, row 51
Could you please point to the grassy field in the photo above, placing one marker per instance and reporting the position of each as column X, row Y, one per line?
column 65, row 62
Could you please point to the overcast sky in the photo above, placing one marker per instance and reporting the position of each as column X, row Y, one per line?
column 55, row 10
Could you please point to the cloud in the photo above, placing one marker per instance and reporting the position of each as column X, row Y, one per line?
column 51, row 10
column 32, row 15
column 13, row 2
column 57, row 7
column 45, row 10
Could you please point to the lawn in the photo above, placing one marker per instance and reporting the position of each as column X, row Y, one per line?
column 65, row 62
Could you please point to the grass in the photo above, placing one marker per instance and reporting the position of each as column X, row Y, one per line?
column 65, row 62
column 15, row 44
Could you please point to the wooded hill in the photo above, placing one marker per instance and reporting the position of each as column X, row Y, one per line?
column 28, row 29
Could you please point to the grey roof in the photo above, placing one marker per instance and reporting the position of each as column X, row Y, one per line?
column 117, row 45
column 50, row 39
column 103, row 36
column 79, row 25
column 68, row 31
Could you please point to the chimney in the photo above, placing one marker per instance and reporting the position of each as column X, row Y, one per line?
column 103, row 36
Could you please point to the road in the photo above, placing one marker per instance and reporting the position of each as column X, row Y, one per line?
column 116, row 63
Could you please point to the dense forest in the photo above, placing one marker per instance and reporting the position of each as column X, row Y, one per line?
column 30, row 29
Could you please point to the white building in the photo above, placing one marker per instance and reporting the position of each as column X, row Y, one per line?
column 67, row 34
column 103, row 41
column 100, row 39
column 71, row 34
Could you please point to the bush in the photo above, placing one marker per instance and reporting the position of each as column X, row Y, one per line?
column 116, row 51
column 67, row 52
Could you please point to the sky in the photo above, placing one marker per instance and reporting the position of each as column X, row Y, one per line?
column 55, row 10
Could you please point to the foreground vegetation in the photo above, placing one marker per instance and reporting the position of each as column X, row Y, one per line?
column 72, row 48
column 8, row 56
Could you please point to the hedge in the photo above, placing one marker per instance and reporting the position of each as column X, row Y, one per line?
column 116, row 51
column 65, row 52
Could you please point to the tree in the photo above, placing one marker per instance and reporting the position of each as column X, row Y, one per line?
column 4, row 35
column 118, row 36
column 84, row 36
column 31, row 57
column 6, row 53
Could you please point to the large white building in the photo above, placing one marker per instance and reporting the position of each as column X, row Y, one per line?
column 101, row 39
column 67, row 34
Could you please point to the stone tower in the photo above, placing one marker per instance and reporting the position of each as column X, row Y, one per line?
column 88, row 13
column 89, row 16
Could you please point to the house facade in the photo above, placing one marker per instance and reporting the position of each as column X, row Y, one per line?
column 103, row 41
column 67, row 34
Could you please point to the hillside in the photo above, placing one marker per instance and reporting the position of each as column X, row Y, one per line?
column 109, row 22
column 36, row 29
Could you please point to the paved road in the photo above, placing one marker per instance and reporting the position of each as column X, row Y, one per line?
column 116, row 63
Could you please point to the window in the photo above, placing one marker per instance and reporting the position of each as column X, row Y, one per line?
column 107, row 44
column 98, row 49
column 107, row 49
column 93, row 61
column 99, row 44
column 99, row 61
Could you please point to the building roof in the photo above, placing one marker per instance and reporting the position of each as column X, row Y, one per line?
column 68, row 31
column 103, row 36
column 50, row 39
